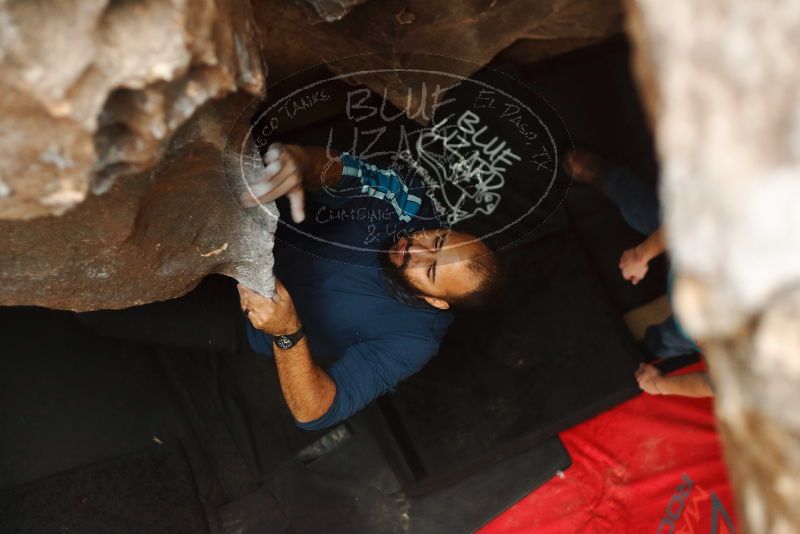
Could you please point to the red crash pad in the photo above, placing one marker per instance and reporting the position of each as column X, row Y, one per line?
column 652, row 464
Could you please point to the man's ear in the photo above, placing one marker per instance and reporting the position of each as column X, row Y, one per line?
column 437, row 302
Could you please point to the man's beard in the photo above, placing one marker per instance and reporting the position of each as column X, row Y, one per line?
column 399, row 285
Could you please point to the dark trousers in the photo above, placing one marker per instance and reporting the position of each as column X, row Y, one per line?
column 638, row 203
column 207, row 318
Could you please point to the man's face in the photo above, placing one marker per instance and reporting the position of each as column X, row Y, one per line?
column 435, row 263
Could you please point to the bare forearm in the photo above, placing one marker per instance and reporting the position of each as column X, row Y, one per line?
column 307, row 388
column 320, row 167
column 653, row 246
column 688, row 385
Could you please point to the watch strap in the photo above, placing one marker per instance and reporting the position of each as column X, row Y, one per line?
column 288, row 341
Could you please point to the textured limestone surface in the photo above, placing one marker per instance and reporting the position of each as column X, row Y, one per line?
column 331, row 10
column 390, row 34
column 116, row 186
column 93, row 90
column 722, row 78
column 154, row 235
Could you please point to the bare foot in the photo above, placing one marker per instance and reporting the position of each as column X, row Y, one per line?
column 584, row 166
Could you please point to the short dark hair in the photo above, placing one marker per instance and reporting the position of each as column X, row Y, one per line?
column 489, row 269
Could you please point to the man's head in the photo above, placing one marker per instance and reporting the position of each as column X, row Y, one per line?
column 444, row 267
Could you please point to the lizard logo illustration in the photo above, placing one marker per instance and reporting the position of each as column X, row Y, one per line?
column 463, row 168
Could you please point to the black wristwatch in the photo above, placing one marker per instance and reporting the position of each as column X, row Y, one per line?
column 289, row 340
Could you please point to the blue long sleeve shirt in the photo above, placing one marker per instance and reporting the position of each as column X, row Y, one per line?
column 357, row 328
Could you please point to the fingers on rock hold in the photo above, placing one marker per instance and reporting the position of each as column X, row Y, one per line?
column 272, row 168
column 273, row 152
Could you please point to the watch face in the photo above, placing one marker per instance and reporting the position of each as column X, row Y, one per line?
column 283, row 342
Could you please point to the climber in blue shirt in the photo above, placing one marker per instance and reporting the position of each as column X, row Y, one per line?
column 366, row 274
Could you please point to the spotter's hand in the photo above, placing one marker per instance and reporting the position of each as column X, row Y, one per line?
column 284, row 167
column 275, row 316
column 633, row 265
column 648, row 376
